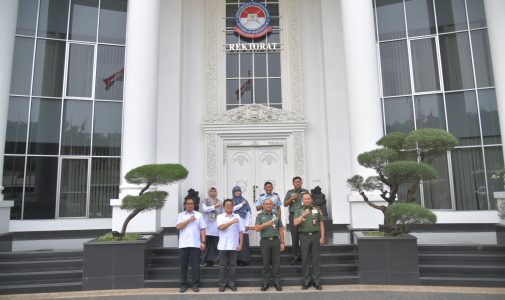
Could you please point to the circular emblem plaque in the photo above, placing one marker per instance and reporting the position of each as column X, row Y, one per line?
column 252, row 20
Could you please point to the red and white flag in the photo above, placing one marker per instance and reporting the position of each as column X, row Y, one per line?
column 109, row 81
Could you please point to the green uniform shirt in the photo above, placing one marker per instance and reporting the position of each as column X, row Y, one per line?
column 298, row 203
column 311, row 223
column 269, row 231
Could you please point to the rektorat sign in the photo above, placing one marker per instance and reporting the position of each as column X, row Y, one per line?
column 253, row 47
column 252, row 20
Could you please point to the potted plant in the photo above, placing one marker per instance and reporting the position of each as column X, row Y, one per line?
column 117, row 259
column 401, row 161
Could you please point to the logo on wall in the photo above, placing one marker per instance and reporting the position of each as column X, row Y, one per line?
column 252, row 20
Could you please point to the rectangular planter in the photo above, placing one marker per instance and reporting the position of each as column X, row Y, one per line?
column 500, row 234
column 115, row 265
column 388, row 260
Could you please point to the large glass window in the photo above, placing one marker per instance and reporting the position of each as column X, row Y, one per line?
column 64, row 127
column 436, row 72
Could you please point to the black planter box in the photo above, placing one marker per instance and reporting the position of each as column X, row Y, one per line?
column 388, row 260
column 500, row 234
column 6, row 242
column 115, row 265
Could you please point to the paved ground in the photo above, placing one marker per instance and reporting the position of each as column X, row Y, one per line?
column 336, row 292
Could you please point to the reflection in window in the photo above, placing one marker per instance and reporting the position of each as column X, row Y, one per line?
column 44, row 126
column 482, row 58
column 40, row 187
column 494, row 163
column 112, row 22
column 476, row 15
column 49, row 68
column 76, row 131
column 398, row 114
column 420, row 18
column 104, row 186
column 83, row 19
column 463, row 118
column 27, row 17
column 17, row 124
column 73, row 185
column 430, row 112
column 22, row 66
column 110, row 72
column 489, row 117
column 53, row 19
column 13, row 176
column 395, row 68
column 437, row 192
column 107, row 129
column 469, row 179
column 425, row 65
column 390, row 19
column 80, row 70
column 451, row 15
column 456, row 61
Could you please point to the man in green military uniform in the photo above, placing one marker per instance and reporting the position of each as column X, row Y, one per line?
column 293, row 199
column 309, row 220
column 271, row 244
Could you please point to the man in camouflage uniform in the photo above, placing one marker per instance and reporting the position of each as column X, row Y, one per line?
column 293, row 199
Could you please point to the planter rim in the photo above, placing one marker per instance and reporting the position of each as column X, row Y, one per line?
column 144, row 239
column 361, row 236
column 499, row 194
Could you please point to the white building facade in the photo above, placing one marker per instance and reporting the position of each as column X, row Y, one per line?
column 93, row 88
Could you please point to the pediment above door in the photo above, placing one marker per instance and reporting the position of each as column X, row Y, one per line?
column 255, row 113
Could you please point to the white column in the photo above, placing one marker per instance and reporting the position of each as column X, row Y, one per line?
column 495, row 17
column 140, row 106
column 365, row 115
column 8, row 18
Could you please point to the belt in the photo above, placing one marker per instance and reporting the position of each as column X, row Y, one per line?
column 271, row 238
column 310, row 233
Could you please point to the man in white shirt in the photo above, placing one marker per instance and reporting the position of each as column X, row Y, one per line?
column 230, row 241
column 191, row 226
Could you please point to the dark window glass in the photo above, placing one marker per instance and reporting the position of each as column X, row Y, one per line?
column 232, row 65
column 476, row 15
column 53, row 19
column 273, row 9
column 395, row 68
column 494, row 163
column 489, row 117
column 246, row 91
column 260, row 65
column 40, row 187
column 76, row 131
column 469, row 179
column 231, row 38
column 73, row 186
column 17, row 123
column 13, row 175
column 112, row 22
column 104, row 186
column 44, row 126
column 232, row 91
column 27, row 17
column 246, row 65
column 83, row 20
column 456, row 61
column 451, row 15
column 462, row 117
column 274, row 37
column 391, row 19
column 107, row 129
column 49, row 68
column 275, row 93
column 274, row 65
column 110, row 73
column 420, row 17
column 22, row 66
column 482, row 58
column 260, row 91
column 80, row 70
column 425, row 65
column 430, row 112
column 399, row 115
column 436, row 192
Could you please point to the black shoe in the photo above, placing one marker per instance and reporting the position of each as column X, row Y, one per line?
column 221, row 289
column 195, row 289
column 264, row 287
column 318, row 287
column 304, row 287
column 278, row 287
column 233, row 288
column 295, row 260
column 183, row 289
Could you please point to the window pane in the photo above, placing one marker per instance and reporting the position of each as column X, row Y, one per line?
column 260, row 65
column 430, row 112
column 110, row 73
column 80, row 70
column 456, row 61
column 104, row 186
column 245, row 91
column 391, row 21
column 49, row 67
column 437, row 193
column 231, row 38
column 489, row 117
column 469, row 185
column 399, row 115
column 13, row 175
column 260, row 91
column 274, row 65
column 232, row 91
column 232, row 65
column 494, row 163
column 482, row 58
column 451, row 15
column 40, row 188
column 476, row 15
column 425, row 65
column 107, row 129
column 274, row 88
column 463, row 118
column 74, row 181
column 420, row 18
column 76, row 132
column 53, row 19
column 246, row 65
column 17, row 123
column 273, row 37
column 44, row 126
column 112, row 22
column 22, row 66
column 83, row 20
column 395, row 68
column 27, row 17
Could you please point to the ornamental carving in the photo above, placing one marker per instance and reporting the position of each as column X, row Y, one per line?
column 256, row 113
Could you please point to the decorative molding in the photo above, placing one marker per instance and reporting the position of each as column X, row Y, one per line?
column 225, row 150
column 256, row 113
column 212, row 53
column 299, row 155
column 292, row 30
column 211, row 141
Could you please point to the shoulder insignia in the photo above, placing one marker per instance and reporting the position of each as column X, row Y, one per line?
column 262, row 195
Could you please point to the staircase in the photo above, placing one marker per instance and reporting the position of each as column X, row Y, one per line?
column 34, row 272
column 338, row 266
column 477, row 265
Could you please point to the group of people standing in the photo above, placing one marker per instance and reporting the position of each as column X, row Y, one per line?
column 221, row 232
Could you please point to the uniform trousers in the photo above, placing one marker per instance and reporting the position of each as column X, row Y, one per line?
column 271, row 256
column 295, row 237
column 311, row 249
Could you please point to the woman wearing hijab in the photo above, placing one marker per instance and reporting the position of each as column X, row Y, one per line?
column 242, row 208
column 211, row 207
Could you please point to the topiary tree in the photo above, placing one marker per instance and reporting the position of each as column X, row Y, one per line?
column 149, row 175
column 401, row 160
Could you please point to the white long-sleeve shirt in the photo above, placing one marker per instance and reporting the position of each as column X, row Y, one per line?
column 211, row 224
column 229, row 238
column 189, row 236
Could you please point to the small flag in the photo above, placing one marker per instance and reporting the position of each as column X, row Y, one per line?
column 109, row 81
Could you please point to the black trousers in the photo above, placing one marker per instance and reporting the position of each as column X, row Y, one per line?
column 227, row 267
column 244, row 255
column 190, row 255
column 211, row 255
column 295, row 237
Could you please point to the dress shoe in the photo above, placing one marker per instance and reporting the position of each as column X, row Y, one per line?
column 183, row 289
column 221, row 289
column 233, row 288
column 278, row 287
column 264, row 287
column 318, row 287
column 195, row 289
column 295, row 260
column 304, row 287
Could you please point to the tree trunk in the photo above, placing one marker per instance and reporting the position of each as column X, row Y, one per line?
column 128, row 219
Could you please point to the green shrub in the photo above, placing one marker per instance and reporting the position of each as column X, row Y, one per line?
column 108, row 237
column 402, row 217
